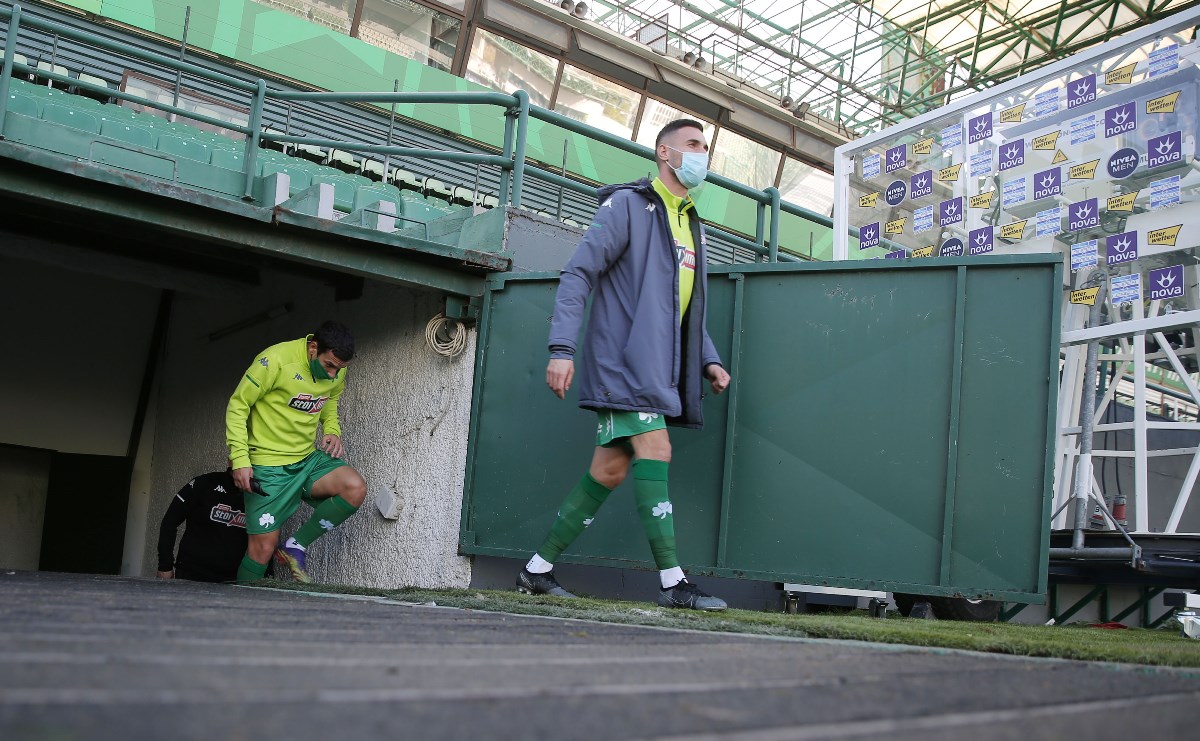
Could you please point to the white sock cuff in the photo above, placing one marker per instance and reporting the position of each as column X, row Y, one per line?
column 671, row 577
column 538, row 565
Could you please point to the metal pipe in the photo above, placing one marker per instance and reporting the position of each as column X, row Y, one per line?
column 773, row 244
column 1087, row 418
column 187, row 20
column 253, row 138
column 1132, row 554
column 10, row 48
column 564, row 174
column 387, row 159
column 519, row 139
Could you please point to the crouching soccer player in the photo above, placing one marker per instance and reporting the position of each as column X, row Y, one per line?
column 271, row 425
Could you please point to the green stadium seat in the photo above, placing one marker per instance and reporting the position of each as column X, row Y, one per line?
column 186, row 148
column 300, row 179
column 127, row 133
column 80, row 102
column 345, row 161
column 405, row 180
column 113, row 112
column 369, row 194
column 230, row 160
column 24, row 105
column 344, row 188
column 374, row 170
column 67, row 116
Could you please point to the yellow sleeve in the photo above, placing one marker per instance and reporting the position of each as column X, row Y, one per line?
column 329, row 413
column 256, row 382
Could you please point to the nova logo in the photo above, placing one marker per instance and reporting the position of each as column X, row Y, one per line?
column 1122, row 163
column 1166, row 282
column 952, row 248
column 895, row 192
column 1164, row 150
column 980, row 240
column 979, row 128
column 1012, row 155
column 1047, row 183
column 921, row 184
column 868, row 236
column 897, row 157
column 950, row 212
column 1083, row 215
column 1081, row 91
column 1122, row 248
column 1120, row 119
column 894, row 255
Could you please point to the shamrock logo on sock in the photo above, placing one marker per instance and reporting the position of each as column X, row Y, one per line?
column 662, row 509
column 266, row 520
column 326, row 524
column 588, row 521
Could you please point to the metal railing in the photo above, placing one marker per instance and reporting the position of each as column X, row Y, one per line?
column 511, row 160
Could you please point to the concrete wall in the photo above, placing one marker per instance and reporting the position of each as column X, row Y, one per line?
column 24, row 475
column 405, row 416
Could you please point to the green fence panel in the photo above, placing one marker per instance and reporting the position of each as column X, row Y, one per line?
column 889, row 427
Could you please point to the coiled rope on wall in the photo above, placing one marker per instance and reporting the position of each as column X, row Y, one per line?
column 446, row 337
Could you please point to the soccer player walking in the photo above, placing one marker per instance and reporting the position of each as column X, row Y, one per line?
column 644, row 357
column 271, row 425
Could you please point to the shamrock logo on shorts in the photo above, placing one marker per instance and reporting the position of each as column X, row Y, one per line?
column 326, row 524
column 662, row 509
column 266, row 520
column 647, row 417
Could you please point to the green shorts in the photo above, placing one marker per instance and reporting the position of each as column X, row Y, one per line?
column 284, row 487
column 614, row 428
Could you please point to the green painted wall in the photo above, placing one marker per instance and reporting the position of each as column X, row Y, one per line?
column 293, row 47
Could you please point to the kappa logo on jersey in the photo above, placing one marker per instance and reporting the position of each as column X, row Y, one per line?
column 228, row 516
column 307, row 404
column 299, row 377
column 649, row 206
column 262, row 362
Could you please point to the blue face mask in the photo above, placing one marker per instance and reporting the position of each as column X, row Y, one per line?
column 693, row 168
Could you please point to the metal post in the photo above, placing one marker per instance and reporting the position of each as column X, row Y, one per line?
column 253, row 138
column 53, row 60
column 773, row 245
column 1141, row 504
column 1087, row 419
column 187, row 20
column 521, row 135
column 507, row 153
column 760, row 225
column 564, row 174
column 387, row 158
column 10, row 48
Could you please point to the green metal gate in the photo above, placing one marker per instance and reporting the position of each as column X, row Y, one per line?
column 889, row 427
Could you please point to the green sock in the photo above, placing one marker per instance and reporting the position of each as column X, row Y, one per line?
column 329, row 514
column 574, row 515
column 250, row 570
column 654, row 506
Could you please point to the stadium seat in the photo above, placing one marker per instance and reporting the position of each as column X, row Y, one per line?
column 374, row 170
column 101, row 97
column 113, row 112
column 186, row 148
column 125, row 132
column 300, row 178
column 76, row 119
column 56, row 69
column 24, row 105
column 344, row 187
column 367, row 195
column 230, row 160
column 405, row 180
column 345, row 161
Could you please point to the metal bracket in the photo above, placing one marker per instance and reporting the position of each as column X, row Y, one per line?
column 462, row 308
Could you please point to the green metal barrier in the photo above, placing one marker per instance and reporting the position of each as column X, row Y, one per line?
column 888, row 427
column 511, row 160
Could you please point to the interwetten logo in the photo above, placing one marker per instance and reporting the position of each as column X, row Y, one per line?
column 1083, row 215
column 979, row 128
column 1122, row 163
column 1081, row 91
column 951, row 211
column 1012, row 155
column 1164, row 150
column 921, row 184
column 1120, row 119
column 868, row 236
column 895, row 193
column 952, row 248
column 897, row 157
column 1047, row 183
column 1122, row 248
column 980, row 240
column 307, row 404
column 1166, row 282
column 228, row 516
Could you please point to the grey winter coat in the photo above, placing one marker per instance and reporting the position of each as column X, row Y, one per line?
column 635, row 356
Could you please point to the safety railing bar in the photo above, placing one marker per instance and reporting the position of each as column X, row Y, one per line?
column 482, row 98
column 438, row 154
column 28, row 20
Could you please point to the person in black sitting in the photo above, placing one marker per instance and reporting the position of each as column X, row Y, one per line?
column 214, row 539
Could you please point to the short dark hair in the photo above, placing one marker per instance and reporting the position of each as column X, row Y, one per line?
column 335, row 336
column 679, row 123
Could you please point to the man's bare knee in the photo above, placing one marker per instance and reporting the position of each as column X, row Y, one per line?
column 653, row 446
column 261, row 546
column 609, row 475
column 354, row 489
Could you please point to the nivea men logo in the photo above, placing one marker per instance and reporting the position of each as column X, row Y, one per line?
column 1083, row 215
column 897, row 157
column 1012, row 155
column 1122, row 248
column 980, row 240
column 1081, row 91
column 979, row 128
column 1166, row 282
column 307, row 404
column 1164, row 150
column 868, row 236
column 1119, row 119
column 1122, row 163
column 895, row 193
column 952, row 248
column 951, row 211
column 1047, row 183
column 921, row 184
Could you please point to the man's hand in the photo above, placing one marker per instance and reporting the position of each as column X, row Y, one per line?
column 242, row 476
column 717, row 376
column 332, row 444
column 558, row 376
column 166, row 574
